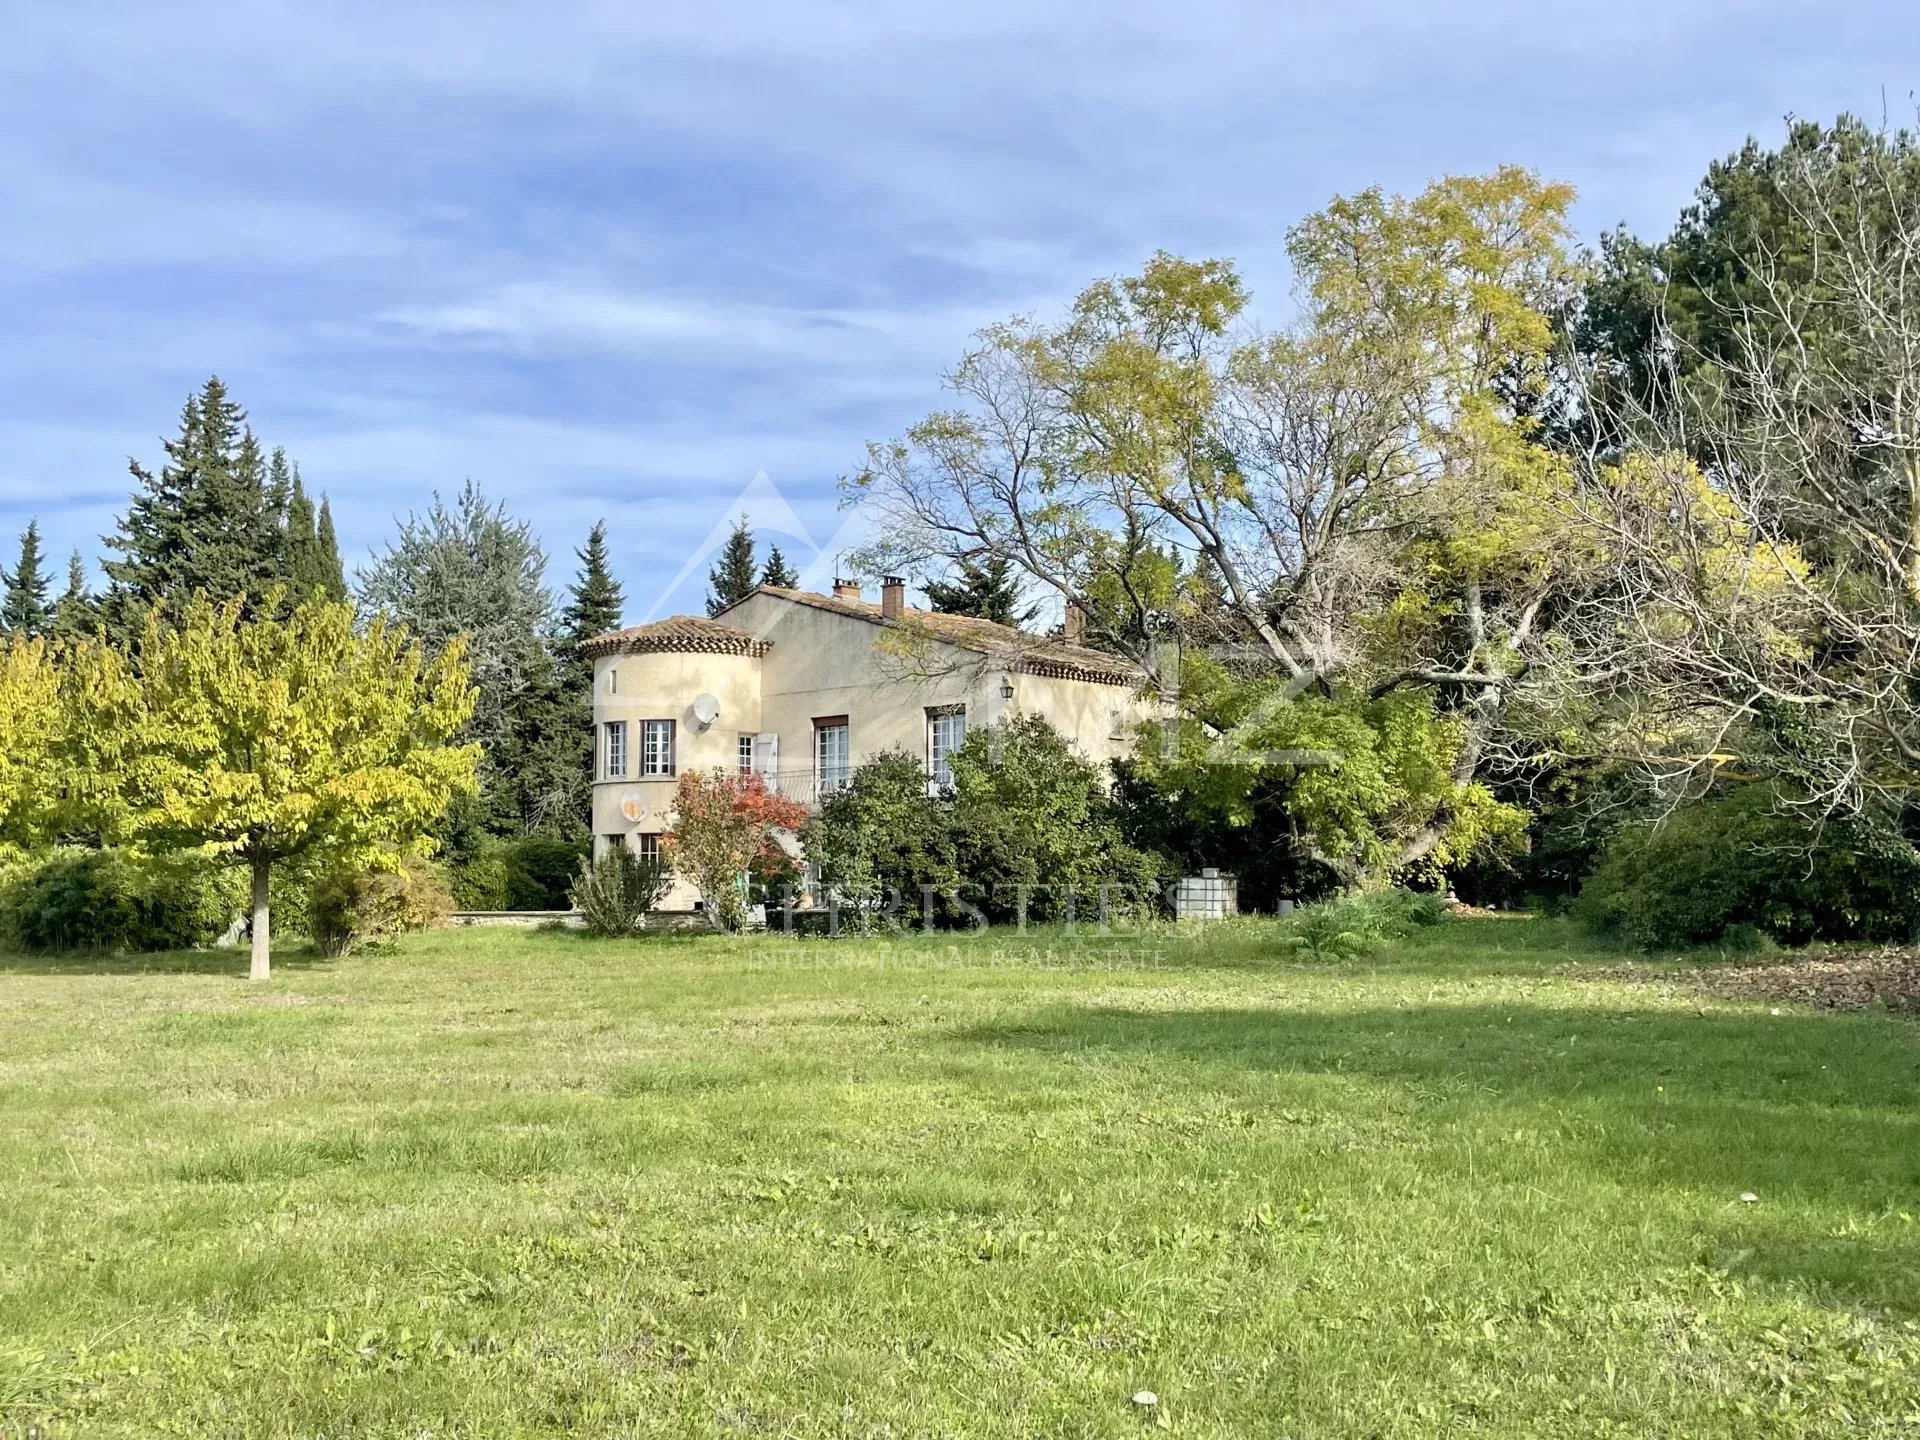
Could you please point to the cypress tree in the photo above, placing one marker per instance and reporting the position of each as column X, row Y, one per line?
column 75, row 613
column 306, row 568
column 986, row 591
column 23, row 608
column 732, row 580
column 329, row 570
column 778, row 571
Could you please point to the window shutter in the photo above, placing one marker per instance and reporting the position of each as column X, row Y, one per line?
column 766, row 752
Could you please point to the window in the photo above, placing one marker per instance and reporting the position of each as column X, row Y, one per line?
column 746, row 754
column 647, row 847
column 946, row 729
column 830, row 753
column 616, row 753
column 613, row 680
column 656, row 747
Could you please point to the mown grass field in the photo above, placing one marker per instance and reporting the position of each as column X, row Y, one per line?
column 511, row 1184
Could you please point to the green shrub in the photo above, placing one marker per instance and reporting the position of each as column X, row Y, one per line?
column 540, row 872
column 616, row 893
column 1346, row 927
column 1745, row 862
column 882, row 838
column 1399, row 912
column 1030, row 811
column 1028, row 817
column 74, row 899
column 479, row 882
column 351, row 907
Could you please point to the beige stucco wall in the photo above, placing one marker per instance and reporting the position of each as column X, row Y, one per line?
column 663, row 687
column 1102, row 720
column 825, row 664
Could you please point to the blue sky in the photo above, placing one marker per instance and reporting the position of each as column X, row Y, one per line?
column 617, row 259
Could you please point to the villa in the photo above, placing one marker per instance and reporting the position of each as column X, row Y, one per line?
column 800, row 688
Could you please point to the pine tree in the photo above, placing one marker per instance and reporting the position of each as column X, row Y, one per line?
column 594, row 607
column 594, row 604
column 75, row 614
column 208, row 520
column 24, row 609
column 732, row 580
column 152, row 537
column 986, row 591
column 778, row 571
column 238, row 537
column 282, row 476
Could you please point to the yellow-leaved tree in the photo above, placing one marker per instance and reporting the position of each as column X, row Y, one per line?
column 29, row 730
column 264, row 739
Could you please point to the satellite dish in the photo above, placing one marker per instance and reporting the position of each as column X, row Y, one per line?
column 633, row 805
column 706, row 709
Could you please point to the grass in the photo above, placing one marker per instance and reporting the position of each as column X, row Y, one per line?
column 506, row 1184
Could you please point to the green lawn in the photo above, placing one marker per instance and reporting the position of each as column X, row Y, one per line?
column 511, row 1184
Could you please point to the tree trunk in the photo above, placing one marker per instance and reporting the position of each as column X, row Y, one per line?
column 260, row 967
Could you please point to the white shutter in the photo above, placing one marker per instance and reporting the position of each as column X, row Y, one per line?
column 766, row 752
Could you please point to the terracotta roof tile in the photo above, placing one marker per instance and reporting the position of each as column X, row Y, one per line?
column 678, row 634
column 1030, row 654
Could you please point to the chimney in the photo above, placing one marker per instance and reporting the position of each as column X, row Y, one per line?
column 845, row 589
column 893, row 597
column 1074, row 632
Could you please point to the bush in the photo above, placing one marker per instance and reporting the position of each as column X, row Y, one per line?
column 616, row 894
column 1744, row 862
column 1349, row 926
column 109, row 900
column 540, row 872
column 1029, row 816
column 351, row 907
column 1030, row 811
column 479, row 882
column 880, row 839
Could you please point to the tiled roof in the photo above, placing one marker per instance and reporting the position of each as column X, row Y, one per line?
column 678, row 634
column 1028, row 654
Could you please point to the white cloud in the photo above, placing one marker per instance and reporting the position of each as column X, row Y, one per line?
column 558, row 316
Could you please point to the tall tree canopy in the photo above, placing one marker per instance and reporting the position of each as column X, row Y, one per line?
column 74, row 613
column 207, row 520
column 734, row 575
column 469, row 570
column 1762, row 510
column 23, row 597
column 779, row 570
column 594, row 606
column 1656, row 315
column 264, row 738
column 1362, row 500
column 313, row 557
column 987, row 590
